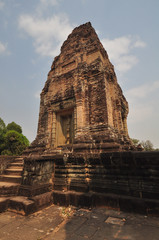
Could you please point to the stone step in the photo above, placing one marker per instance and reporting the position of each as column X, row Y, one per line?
column 11, row 178
column 24, row 205
column 21, row 204
column 20, row 163
column 3, row 204
column 9, row 189
column 18, row 160
column 14, row 171
column 15, row 166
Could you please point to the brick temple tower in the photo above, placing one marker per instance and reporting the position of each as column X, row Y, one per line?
column 82, row 152
column 82, row 106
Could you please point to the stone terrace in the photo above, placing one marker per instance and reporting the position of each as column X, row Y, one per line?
column 78, row 224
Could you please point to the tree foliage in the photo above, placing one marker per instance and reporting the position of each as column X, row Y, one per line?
column 146, row 145
column 2, row 124
column 12, row 141
column 135, row 141
column 15, row 127
column 2, row 133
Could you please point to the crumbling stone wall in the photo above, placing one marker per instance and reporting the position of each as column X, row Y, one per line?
column 37, row 176
column 124, row 180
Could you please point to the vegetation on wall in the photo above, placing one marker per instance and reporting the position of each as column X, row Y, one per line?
column 12, row 141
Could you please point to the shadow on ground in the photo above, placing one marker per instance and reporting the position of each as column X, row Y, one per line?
column 59, row 223
column 104, row 224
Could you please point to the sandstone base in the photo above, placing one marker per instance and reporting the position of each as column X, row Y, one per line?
column 123, row 180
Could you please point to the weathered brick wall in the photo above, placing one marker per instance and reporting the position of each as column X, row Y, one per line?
column 124, row 180
column 37, row 171
column 37, row 176
column 115, row 179
column 129, row 173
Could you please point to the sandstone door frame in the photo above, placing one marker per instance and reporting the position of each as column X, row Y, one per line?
column 64, row 127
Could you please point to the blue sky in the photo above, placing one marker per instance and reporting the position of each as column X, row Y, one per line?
column 31, row 33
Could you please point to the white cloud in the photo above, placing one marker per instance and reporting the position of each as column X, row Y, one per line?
column 119, row 51
column 143, row 90
column 139, row 43
column 47, row 33
column 139, row 112
column 1, row 5
column 125, row 63
column 49, row 2
column 140, row 102
column 3, row 49
column 44, row 6
column 37, row 95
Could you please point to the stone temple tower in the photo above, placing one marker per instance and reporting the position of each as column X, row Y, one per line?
column 82, row 106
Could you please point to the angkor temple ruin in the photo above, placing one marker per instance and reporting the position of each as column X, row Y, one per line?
column 82, row 106
column 82, row 154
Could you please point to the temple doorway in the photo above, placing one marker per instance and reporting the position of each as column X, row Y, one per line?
column 65, row 128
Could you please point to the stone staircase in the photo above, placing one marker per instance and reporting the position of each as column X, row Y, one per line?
column 10, row 199
column 10, row 182
column 11, row 178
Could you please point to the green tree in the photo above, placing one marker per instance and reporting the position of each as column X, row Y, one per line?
column 12, row 141
column 6, row 152
column 2, row 133
column 2, row 124
column 15, row 143
column 147, row 145
column 15, row 127
column 135, row 141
